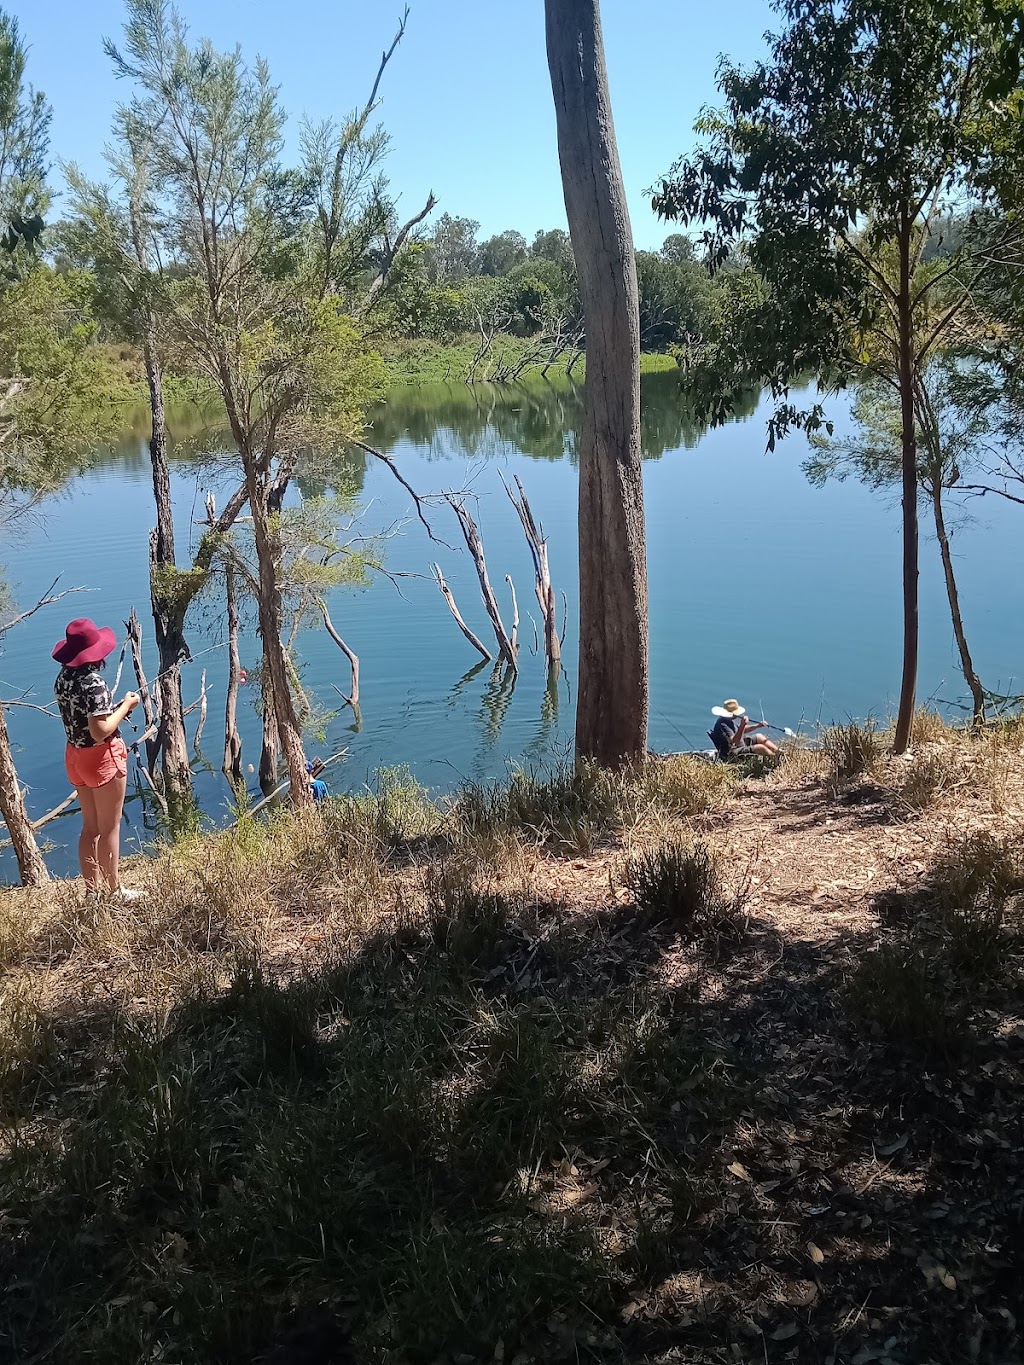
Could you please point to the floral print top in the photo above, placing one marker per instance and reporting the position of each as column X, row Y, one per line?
column 81, row 693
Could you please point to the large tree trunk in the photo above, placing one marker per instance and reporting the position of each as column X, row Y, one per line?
column 953, row 594
column 275, row 664
column 905, row 320
column 168, row 612
column 611, row 712
column 12, row 808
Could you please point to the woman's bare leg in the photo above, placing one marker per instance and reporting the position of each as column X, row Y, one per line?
column 89, row 839
column 109, row 805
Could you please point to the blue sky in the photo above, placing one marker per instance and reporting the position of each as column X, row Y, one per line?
column 466, row 99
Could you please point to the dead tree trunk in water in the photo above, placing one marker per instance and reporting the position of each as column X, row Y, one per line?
column 507, row 649
column 612, row 707
column 538, row 544
column 232, row 764
column 12, row 808
column 449, row 597
column 353, row 658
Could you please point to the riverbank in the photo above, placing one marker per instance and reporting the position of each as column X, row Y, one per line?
column 431, row 362
column 694, row 1064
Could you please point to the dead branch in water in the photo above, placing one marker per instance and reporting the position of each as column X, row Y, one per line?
column 538, row 543
column 471, row 533
column 134, row 628
column 353, row 658
column 202, row 714
column 446, row 592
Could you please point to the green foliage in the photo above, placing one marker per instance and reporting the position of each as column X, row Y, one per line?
column 502, row 253
column 675, row 300
column 859, row 128
column 48, row 374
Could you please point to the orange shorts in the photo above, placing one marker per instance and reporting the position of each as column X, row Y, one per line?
column 97, row 765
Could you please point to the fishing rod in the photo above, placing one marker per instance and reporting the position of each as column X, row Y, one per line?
column 779, row 729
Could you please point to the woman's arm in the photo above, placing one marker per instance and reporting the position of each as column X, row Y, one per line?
column 102, row 727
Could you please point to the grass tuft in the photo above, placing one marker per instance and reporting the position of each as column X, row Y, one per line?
column 853, row 750
column 684, row 884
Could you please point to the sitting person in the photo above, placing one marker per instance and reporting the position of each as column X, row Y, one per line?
column 317, row 787
column 735, row 735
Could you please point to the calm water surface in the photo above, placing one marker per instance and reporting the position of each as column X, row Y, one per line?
column 760, row 587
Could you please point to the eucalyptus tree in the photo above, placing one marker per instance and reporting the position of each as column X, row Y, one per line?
column 252, row 306
column 830, row 166
column 951, row 436
column 612, row 706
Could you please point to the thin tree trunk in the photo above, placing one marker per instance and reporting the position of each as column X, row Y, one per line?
column 612, row 706
column 275, row 664
column 905, row 338
column 12, row 808
column 168, row 612
column 953, row 594
column 269, row 749
column 232, row 764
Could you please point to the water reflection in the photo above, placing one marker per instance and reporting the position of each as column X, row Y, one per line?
column 540, row 419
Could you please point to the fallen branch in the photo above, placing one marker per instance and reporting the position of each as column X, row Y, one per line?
column 282, row 786
column 514, row 637
column 446, row 592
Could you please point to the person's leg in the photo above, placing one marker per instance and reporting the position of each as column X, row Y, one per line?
column 109, row 805
column 89, row 838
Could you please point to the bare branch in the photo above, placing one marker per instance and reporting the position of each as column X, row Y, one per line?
column 474, row 640
column 391, row 255
column 386, row 459
column 384, row 59
column 47, row 600
column 350, row 655
column 475, row 545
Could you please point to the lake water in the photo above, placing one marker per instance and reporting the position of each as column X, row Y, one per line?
column 760, row 587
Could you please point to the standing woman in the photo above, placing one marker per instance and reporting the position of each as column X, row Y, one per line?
column 96, row 756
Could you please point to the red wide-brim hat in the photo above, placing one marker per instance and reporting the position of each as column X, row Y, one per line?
column 84, row 643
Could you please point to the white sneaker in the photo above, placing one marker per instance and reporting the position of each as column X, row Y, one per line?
column 127, row 896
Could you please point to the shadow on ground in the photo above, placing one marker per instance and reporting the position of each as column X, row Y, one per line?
column 511, row 1132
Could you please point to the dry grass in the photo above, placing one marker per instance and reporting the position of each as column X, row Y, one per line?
column 426, row 1074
